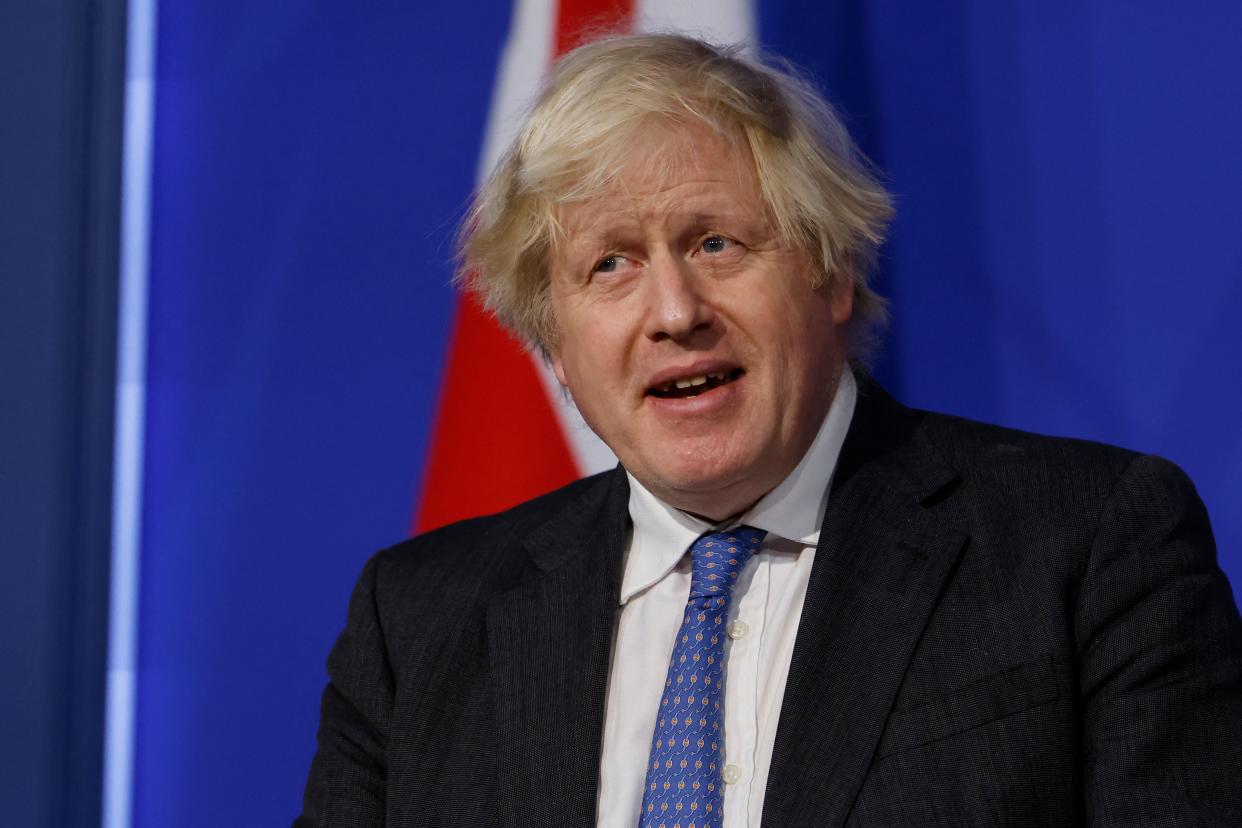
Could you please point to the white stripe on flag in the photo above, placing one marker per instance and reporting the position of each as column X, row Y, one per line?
column 526, row 54
column 724, row 22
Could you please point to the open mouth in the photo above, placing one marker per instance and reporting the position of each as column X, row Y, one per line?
column 694, row 385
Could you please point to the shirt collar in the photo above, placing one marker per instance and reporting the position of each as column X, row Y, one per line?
column 793, row 510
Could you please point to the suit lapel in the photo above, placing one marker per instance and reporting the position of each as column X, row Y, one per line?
column 550, row 642
column 881, row 564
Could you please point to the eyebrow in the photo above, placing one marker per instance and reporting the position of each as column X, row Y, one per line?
column 593, row 234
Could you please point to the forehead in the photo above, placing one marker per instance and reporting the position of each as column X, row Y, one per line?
column 670, row 171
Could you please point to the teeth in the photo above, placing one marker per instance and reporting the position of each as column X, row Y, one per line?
column 694, row 382
column 690, row 382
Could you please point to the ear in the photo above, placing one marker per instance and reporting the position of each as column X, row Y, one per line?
column 842, row 303
column 558, row 367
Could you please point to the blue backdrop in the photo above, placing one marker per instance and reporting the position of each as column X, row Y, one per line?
column 1066, row 259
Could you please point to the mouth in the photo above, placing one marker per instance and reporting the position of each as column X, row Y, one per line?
column 692, row 385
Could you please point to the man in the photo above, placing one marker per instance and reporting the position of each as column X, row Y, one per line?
column 924, row 621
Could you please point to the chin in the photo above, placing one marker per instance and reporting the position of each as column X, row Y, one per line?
column 704, row 480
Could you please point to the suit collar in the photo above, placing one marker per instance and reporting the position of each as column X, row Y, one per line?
column 884, row 431
column 880, row 567
column 594, row 521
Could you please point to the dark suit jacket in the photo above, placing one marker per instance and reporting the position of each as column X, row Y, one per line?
column 1000, row 629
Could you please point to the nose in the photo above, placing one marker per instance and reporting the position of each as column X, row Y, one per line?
column 676, row 300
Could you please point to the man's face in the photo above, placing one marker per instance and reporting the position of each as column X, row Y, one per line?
column 689, row 334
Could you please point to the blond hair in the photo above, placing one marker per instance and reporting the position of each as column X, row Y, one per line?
column 820, row 192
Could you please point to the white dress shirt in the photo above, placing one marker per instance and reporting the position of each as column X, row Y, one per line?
column 763, row 625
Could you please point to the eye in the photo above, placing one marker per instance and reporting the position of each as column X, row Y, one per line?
column 608, row 264
column 716, row 244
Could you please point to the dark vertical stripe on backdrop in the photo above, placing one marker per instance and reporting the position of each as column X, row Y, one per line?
column 61, row 92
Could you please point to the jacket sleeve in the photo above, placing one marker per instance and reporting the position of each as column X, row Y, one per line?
column 348, row 775
column 1160, row 647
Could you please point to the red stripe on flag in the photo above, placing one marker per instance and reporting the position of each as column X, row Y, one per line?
column 577, row 20
column 497, row 441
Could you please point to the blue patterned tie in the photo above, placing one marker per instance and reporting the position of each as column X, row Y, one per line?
column 687, row 752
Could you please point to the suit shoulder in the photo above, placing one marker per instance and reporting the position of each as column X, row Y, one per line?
column 970, row 444
column 482, row 549
column 1055, row 481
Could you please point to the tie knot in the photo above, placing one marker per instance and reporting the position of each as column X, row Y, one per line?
column 717, row 560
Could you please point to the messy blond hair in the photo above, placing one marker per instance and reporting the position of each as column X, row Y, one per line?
column 820, row 192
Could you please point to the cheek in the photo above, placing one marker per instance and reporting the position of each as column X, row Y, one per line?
column 591, row 375
column 783, row 318
column 600, row 345
column 795, row 332
column 572, row 340
column 575, row 374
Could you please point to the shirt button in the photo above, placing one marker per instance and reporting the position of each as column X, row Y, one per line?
column 738, row 628
column 731, row 774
